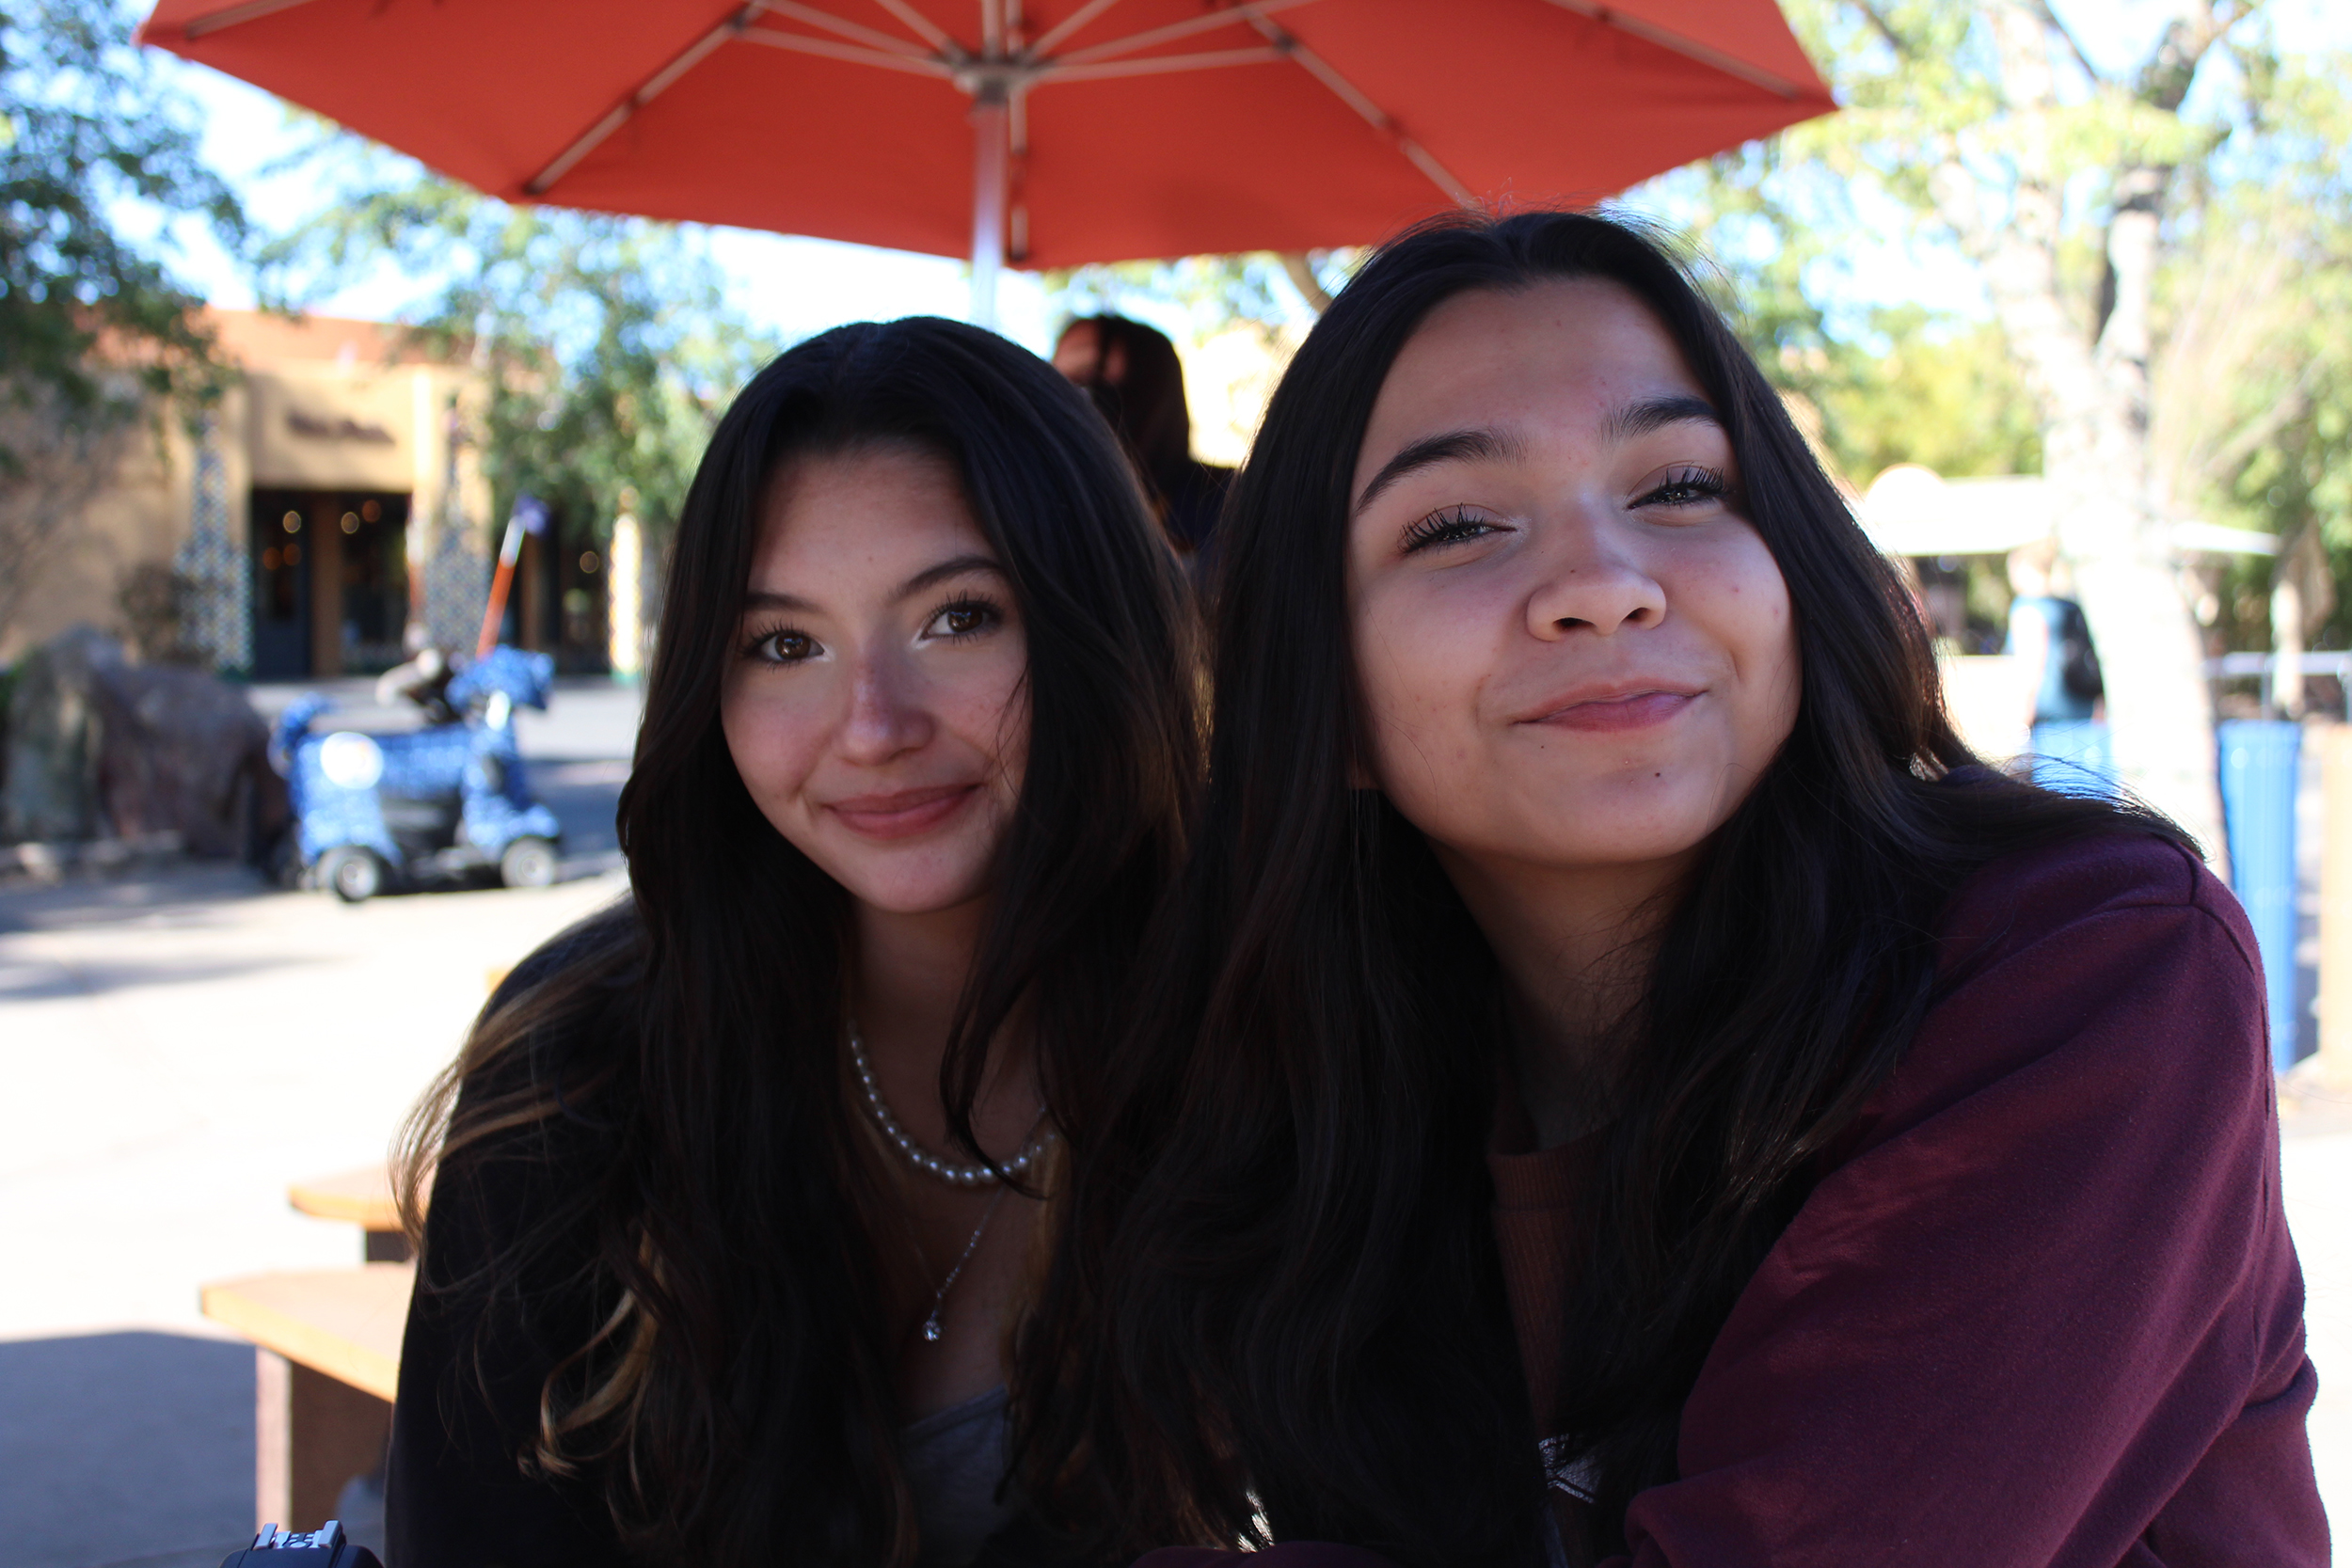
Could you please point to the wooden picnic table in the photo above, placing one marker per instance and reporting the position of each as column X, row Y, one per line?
column 327, row 1362
column 362, row 1197
column 326, row 1353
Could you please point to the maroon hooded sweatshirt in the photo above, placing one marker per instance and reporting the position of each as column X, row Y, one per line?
column 2041, row 1310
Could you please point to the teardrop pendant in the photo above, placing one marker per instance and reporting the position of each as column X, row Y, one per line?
column 930, row 1328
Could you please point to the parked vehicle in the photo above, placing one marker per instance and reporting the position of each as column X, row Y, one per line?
column 371, row 811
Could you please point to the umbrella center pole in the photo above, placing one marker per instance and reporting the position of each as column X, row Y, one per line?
column 990, row 161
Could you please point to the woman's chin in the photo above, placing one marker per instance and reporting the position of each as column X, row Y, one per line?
column 911, row 896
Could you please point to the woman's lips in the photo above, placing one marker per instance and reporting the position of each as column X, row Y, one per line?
column 1635, row 710
column 904, row 812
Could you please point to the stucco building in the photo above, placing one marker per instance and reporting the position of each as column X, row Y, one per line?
column 331, row 506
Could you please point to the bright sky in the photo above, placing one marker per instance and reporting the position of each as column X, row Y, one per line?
column 801, row 286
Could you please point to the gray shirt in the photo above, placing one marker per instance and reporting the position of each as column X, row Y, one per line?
column 955, row 1458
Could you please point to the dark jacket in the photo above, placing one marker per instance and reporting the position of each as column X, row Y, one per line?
column 2042, row 1309
column 458, row 1493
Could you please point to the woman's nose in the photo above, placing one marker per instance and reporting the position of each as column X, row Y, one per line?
column 886, row 713
column 1593, row 579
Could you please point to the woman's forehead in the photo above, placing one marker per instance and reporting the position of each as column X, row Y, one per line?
column 1567, row 349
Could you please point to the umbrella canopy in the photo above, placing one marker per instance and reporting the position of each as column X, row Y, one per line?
column 1049, row 132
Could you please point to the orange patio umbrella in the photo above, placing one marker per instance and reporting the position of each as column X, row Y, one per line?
column 1046, row 133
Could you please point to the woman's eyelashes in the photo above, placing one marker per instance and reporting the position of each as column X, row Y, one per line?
column 963, row 618
column 1686, row 485
column 958, row 620
column 780, row 645
column 1450, row 527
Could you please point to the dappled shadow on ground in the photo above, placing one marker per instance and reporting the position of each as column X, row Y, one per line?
column 190, row 894
column 44, row 980
column 127, row 1449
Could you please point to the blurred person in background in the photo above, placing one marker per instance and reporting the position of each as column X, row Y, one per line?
column 423, row 679
column 736, row 1187
column 1132, row 373
column 2050, row 637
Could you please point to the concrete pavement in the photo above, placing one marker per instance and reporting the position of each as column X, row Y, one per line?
column 178, row 1048
column 176, row 1051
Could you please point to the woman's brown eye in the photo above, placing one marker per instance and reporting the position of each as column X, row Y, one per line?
column 963, row 620
column 785, row 647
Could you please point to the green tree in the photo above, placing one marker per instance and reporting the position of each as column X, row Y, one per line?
column 2252, row 413
column 2071, row 190
column 94, row 331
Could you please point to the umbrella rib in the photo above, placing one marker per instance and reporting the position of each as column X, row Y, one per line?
column 871, row 37
column 1070, row 24
column 652, row 86
column 889, row 60
column 923, row 27
column 1233, row 16
column 229, row 17
column 1649, row 32
column 1160, row 64
column 1377, row 118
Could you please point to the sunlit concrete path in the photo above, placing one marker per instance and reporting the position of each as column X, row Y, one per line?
column 176, row 1051
column 177, row 1048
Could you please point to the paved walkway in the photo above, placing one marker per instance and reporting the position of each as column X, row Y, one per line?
column 178, row 1049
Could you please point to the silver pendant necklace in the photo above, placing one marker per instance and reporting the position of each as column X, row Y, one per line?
column 923, row 1159
column 931, row 1329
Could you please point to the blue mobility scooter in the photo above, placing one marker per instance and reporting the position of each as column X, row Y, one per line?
column 443, row 800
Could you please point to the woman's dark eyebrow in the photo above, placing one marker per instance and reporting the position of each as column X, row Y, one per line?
column 1455, row 445
column 1642, row 417
column 760, row 598
column 955, row 567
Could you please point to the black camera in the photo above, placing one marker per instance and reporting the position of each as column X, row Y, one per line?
column 323, row 1547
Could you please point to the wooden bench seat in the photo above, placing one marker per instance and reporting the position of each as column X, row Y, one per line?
column 327, row 1362
column 362, row 1197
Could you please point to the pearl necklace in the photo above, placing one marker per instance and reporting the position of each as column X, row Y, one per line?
column 922, row 1159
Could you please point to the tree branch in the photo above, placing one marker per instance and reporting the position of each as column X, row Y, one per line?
column 1885, row 29
column 2171, row 70
column 2290, row 406
column 2066, row 35
column 1301, row 272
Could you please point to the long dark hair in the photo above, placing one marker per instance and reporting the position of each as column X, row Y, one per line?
column 724, row 1380
column 1279, row 1307
column 1146, row 404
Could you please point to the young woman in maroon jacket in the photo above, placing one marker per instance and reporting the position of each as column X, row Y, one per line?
column 1625, row 1083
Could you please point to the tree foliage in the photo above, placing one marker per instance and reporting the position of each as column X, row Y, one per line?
column 92, row 322
column 2252, row 244
column 608, row 344
column 2253, row 413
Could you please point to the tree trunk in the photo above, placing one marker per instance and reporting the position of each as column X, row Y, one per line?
column 2094, row 392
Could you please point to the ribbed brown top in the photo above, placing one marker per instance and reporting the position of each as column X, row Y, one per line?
column 1536, row 1195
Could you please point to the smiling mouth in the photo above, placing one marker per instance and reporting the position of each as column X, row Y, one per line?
column 1632, row 710
column 904, row 812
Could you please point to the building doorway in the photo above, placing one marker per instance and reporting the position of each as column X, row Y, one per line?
column 330, row 582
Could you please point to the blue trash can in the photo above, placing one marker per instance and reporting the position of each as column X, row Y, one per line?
column 2258, row 761
column 2073, row 756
